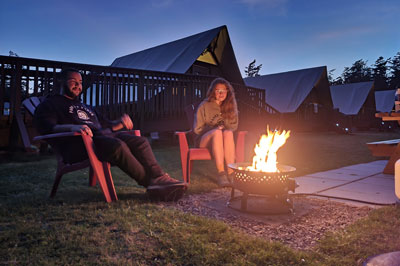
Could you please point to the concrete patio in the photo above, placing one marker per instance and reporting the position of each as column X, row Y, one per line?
column 361, row 185
column 364, row 183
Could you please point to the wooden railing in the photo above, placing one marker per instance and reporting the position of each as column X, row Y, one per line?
column 155, row 100
column 253, row 100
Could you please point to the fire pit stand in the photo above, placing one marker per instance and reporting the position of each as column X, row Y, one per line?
column 263, row 192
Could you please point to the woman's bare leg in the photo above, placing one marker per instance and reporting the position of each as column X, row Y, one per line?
column 215, row 138
column 229, row 148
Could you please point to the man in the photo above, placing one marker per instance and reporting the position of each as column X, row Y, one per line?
column 66, row 113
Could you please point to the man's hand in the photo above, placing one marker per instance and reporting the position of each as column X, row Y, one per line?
column 126, row 122
column 84, row 129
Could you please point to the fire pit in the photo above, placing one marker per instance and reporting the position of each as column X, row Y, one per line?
column 264, row 176
column 270, row 188
column 261, row 183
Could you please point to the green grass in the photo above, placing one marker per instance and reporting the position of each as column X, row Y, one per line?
column 78, row 227
column 375, row 235
column 311, row 153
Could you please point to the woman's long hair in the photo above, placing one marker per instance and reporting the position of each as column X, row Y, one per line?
column 228, row 106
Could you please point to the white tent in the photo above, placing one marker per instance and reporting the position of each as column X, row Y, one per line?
column 287, row 91
column 384, row 100
column 212, row 48
column 349, row 98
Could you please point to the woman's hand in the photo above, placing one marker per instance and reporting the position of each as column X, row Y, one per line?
column 221, row 124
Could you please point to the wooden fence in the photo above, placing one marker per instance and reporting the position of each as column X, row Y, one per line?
column 155, row 100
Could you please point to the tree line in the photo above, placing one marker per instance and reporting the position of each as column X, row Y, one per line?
column 385, row 73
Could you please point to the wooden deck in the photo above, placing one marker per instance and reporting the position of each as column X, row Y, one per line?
column 155, row 100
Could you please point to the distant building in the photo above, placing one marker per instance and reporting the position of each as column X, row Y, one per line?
column 206, row 53
column 357, row 102
column 303, row 96
column 351, row 98
column 384, row 100
column 287, row 91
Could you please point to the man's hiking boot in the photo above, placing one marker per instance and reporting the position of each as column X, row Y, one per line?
column 166, row 188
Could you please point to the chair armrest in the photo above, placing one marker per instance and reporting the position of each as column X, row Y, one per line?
column 183, row 132
column 183, row 144
column 57, row 135
column 135, row 132
column 71, row 134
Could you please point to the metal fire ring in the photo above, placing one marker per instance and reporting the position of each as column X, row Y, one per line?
column 272, row 186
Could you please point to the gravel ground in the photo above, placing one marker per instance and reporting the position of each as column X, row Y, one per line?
column 311, row 220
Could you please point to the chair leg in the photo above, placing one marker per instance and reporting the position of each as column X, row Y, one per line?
column 184, row 173
column 57, row 180
column 184, row 164
column 99, row 172
column 184, row 154
column 188, row 170
column 103, row 175
column 109, row 181
column 92, row 177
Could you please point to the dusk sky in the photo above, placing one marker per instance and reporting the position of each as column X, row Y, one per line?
column 282, row 35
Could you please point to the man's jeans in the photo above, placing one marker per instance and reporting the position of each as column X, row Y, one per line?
column 131, row 153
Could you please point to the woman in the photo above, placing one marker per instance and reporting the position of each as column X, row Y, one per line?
column 215, row 120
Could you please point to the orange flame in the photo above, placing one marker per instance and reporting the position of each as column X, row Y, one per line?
column 265, row 158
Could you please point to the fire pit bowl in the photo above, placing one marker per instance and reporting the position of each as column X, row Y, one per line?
column 272, row 186
column 263, row 183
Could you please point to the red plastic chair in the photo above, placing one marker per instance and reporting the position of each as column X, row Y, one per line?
column 188, row 155
column 99, row 171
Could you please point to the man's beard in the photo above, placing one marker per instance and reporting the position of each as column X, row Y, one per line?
column 69, row 93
